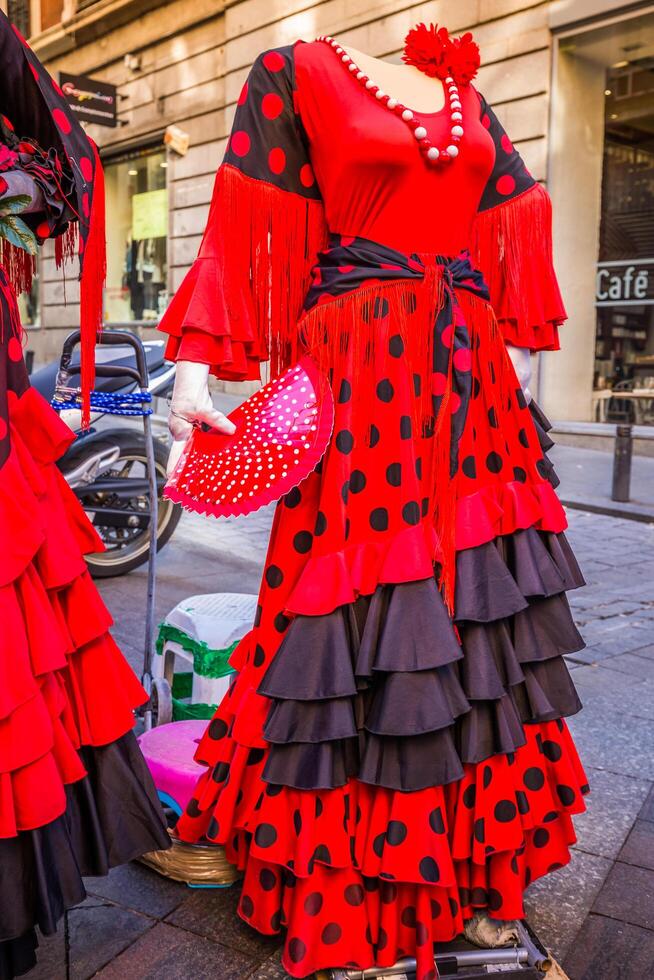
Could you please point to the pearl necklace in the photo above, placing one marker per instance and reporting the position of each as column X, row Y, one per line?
column 432, row 154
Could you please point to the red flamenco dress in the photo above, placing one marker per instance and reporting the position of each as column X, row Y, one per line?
column 76, row 797
column 393, row 755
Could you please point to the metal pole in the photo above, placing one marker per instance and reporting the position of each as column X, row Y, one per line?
column 512, row 955
column 152, row 563
column 622, row 463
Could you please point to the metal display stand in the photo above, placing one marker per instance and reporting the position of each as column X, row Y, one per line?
column 528, row 960
column 139, row 374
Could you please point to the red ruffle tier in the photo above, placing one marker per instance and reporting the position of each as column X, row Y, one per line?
column 362, row 874
column 66, row 683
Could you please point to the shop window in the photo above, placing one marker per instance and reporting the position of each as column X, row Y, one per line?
column 137, row 235
column 624, row 348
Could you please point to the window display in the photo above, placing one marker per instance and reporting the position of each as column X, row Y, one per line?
column 624, row 349
column 137, row 200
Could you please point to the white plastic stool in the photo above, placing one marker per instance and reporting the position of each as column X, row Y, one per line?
column 202, row 631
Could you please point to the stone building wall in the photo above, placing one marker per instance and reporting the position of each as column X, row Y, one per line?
column 194, row 57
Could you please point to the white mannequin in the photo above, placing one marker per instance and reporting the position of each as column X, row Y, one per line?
column 191, row 399
column 403, row 82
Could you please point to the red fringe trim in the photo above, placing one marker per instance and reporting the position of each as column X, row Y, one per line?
column 66, row 245
column 512, row 245
column 19, row 265
column 343, row 334
column 9, row 292
column 93, row 264
column 248, row 283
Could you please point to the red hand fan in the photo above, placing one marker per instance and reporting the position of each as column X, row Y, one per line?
column 281, row 434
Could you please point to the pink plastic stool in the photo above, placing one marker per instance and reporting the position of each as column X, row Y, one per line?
column 169, row 751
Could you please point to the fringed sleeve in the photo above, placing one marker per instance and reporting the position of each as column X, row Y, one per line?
column 239, row 303
column 512, row 245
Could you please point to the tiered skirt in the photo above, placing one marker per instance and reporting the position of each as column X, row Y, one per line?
column 76, row 797
column 383, row 767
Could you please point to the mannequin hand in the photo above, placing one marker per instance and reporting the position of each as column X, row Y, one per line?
column 191, row 402
column 521, row 358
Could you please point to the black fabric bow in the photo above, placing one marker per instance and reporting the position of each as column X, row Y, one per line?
column 348, row 262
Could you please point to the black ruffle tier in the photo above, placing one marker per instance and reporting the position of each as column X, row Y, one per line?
column 402, row 697
column 112, row 816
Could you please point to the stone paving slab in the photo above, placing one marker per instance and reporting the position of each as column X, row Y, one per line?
column 586, row 477
column 607, row 949
column 614, row 692
column 628, row 895
column 557, row 905
column 138, row 888
column 212, row 913
column 613, row 741
column 647, row 812
column 632, row 663
column 612, row 807
column 271, row 969
column 165, row 953
column 639, row 846
column 97, row 932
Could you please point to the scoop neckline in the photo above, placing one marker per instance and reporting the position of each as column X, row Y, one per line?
column 416, row 112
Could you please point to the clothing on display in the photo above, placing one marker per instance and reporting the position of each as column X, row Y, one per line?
column 393, row 755
column 76, row 797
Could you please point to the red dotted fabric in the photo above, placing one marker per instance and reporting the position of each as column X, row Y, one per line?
column 300, row 128
column 346, row 847
column 65, row 683
column 344, row 888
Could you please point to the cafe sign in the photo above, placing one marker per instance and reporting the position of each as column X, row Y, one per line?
column 625, row 283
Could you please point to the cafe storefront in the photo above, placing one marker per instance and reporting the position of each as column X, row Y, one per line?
column 601, row 177
column 623, row 386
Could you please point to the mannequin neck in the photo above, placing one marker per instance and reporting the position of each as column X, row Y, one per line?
column 403, row 82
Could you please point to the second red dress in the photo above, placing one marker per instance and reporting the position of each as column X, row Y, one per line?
column 393, row 755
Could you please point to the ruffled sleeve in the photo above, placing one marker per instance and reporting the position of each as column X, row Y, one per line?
column 512, row 245
column 239, row 303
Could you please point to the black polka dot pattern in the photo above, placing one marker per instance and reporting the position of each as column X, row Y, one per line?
column 344, row 441
column 265, row 835
column 429, row 870
column 259, row 657
column 313, row 904
column 217, row 729
column 385, row 390
column 274, row 576
column 267, row 140
column 396, row 833
column 379, row 519
column 331, row 934
column 534, row 778
column 394, row 474
column 509, row 176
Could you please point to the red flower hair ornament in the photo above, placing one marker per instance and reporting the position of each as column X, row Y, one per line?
column 434, row 52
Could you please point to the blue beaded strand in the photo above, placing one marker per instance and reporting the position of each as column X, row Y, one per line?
column 109, row 402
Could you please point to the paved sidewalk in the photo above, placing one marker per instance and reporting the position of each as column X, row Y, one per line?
column 597, row 914
column 587, row 475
